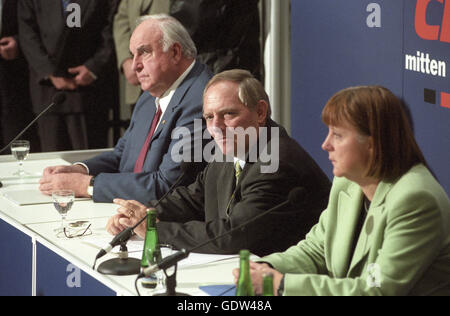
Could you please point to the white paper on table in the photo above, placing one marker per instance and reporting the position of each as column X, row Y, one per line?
column 30, row 197
column 136, row 245
column 34, row 168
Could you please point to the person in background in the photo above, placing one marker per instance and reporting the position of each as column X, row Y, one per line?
column 141, row 166
column 386, row 230
column 77, row 59
column 15, row 103
column 226, row 34
column 236, row 186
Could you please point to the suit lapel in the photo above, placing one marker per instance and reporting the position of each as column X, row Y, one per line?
column 157, row 6
column 349, row 207
column 145, row 5
column 84, row 6
column 177, row 98
column 53, row 13
column 373, row 219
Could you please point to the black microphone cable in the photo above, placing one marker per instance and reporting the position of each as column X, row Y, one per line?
column 58, row 98
column 187, row 168
column 295, row 196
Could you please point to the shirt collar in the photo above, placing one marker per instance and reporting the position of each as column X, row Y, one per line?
column 241, row 162
column 164, row 100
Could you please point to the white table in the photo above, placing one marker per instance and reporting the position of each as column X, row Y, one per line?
column 36, row 262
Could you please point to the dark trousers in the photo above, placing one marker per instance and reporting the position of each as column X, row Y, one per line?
column 61, row 131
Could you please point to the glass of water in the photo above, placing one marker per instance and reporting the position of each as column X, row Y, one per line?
column 63, row 201
column 20, row 150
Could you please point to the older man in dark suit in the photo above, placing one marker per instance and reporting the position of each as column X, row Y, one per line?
column 227, row 194
column 78, row 58
column 142, row 167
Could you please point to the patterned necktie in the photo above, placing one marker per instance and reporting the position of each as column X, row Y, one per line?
column 238, row 171
column 143, row 154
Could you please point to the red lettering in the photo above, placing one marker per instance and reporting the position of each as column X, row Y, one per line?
column 445, row 29
column 423, row 30
column 445, row 100
column 431, row 32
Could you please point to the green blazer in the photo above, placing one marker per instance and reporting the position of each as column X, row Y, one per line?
column 124, row 24
column 403, row 247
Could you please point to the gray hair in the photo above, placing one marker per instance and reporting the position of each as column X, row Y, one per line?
column 173, row 32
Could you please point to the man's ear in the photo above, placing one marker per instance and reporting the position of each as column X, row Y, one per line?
column 176, row 52
column 262, row 108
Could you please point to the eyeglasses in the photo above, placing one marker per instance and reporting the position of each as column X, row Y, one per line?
column 73, row 233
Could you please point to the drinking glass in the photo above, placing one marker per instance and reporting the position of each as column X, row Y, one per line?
column 20, row 150
column 63, row 201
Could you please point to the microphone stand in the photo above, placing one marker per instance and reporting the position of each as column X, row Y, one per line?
column 173, row 260
column 171, row 284
column 125, row 265
column 122, row 265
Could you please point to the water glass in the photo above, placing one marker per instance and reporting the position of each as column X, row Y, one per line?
column 63, row 201
column 20, row 150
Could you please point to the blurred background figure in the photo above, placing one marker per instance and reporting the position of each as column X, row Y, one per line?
column 225, row 32
column 78, row 60
column 15, row 104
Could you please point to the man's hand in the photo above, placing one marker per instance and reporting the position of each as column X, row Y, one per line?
column 129, row 73
column 9, row 49
column 65, row 169
column 62, row 83
column 83, row 75
column 76, row 182
column 128, row 215
column 257, row 271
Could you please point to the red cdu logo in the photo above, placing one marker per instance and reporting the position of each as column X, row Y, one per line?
column 431, row 32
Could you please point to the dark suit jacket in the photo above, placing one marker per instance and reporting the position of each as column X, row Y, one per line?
column 197, row 213
column 51, row 47
column 114, row 170
column 225, row 32
column 15, row 104
column 9, row 20
column 13, row 70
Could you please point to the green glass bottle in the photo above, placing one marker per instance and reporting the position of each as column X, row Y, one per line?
column 244, row 286
column 268, row 284
column 152, row 251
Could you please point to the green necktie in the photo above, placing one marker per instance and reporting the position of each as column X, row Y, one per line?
column 238, row 171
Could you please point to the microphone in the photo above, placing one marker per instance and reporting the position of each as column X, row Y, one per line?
column 187, row 169
column 295, row 197
column 58, row 98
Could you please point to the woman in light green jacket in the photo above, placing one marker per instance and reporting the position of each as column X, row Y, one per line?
column 386, row 228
